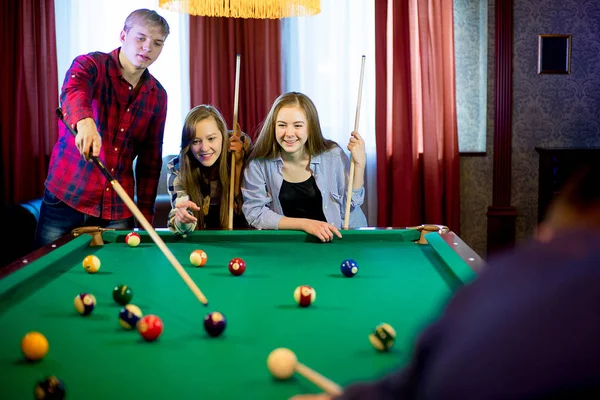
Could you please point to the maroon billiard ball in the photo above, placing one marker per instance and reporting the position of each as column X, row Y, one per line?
column 214, row 323
column 304, row 295
column 237, row 266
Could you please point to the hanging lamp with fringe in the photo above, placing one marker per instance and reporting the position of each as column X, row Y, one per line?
column 259, row 9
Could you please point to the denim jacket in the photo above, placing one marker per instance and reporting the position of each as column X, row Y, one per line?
column 263, row 179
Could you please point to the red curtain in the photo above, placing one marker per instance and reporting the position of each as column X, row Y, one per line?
column 416, row 129
column 29, row 95
column 214, row 44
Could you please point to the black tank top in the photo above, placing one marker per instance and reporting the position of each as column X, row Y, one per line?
column 302, row 200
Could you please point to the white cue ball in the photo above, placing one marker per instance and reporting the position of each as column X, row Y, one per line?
column 282, row 363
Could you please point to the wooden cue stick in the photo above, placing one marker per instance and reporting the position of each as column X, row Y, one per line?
column 235, row 119
column 319, row 380
column 351, row 176
column 138, row 214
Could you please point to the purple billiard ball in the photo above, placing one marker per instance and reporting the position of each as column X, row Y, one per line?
column 214, row 323
column 349, row 268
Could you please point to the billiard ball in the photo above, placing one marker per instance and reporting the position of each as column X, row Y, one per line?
column 214, row 323
column 133, row 239
column 349, row 268
column 50, row 388
column 150, row 327
column 122, row 294
column 84, row 303
column 282, row 363
column 91, row 264
column 34, row 346
column 383, row 337
column 198, row 258
column 304, row 295
column 129, row 316
column 237, row 266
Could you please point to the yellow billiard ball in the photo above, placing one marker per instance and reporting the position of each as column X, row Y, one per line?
column 34, row 346
column 91, row 264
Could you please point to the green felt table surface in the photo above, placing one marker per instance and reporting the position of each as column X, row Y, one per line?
column 399, row 282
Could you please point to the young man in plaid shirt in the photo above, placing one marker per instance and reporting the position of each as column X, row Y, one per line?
column 118, row 110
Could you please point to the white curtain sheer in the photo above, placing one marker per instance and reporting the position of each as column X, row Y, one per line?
column 322, row 59
column 84, row 26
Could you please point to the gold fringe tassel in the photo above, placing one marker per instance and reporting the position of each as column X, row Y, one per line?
column 260, row 9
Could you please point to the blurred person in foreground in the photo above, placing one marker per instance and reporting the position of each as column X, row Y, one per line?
column 527, row 328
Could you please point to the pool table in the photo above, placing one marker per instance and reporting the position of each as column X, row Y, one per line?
column 400, row 282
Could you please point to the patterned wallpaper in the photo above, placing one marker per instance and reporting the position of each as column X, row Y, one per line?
column 551, row 110
column 548, row 110
column 476, row 171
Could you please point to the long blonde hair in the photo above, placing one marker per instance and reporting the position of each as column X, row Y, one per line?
column 192, row 172
column 266, row 145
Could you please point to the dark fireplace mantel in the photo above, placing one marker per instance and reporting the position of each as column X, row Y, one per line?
column 556, row 167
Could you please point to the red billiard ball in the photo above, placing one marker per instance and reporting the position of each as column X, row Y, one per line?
column 133, row 239
column 237, row 266
column 214, row 323
column 150, row 327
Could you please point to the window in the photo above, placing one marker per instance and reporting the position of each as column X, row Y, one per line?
column 319, row 62
column 84, row 27
column 470, row 49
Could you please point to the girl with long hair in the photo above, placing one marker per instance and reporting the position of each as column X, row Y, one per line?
column 296, row 179
column 198, row 178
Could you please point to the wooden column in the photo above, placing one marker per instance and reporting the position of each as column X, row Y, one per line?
column 501, row 223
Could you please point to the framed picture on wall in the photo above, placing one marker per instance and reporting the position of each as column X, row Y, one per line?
column 554, row 54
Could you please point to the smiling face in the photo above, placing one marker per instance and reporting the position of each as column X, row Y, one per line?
column 141, row 45
column 291, row 130
column 206, row 145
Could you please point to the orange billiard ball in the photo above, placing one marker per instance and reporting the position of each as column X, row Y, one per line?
column 34, row 346
column 198, row 258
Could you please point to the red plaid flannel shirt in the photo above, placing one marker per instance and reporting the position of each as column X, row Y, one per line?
column 131, row 126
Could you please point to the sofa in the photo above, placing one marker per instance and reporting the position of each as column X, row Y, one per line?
column 23, row 218
column 163, row 203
